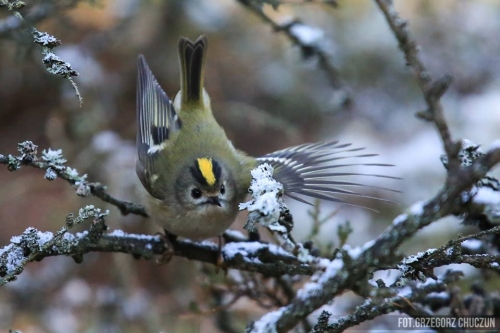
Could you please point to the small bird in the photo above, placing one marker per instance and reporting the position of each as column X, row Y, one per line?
column 194, row 175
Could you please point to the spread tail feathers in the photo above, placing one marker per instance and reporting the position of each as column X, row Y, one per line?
column 192, row 58
column 311, row 170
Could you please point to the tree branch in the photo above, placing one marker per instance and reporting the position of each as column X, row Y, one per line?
column 309, row 39
column 402, row 301
column 54, row 167
column 54, row 64
column 342, row 276
column 34, row 245
column 432, row 90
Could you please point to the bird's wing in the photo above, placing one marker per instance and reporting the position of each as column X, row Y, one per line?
column 317, row 170
column 156, row 122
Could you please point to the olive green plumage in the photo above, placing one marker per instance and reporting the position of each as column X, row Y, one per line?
column 195, row 177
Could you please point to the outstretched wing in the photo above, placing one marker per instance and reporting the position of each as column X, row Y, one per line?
column 156, row 122
column 317, row 170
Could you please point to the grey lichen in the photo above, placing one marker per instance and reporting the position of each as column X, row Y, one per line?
column 13, row 5
column 44, row 39
column 90, row 211
column 55, row 65
column 82, row 188
column 28, row 151
column 13, row 164
column 87, row 212
column 54, row 158
column 81, row 183
column 50, row 174
column 469, row 151
column 32, row 242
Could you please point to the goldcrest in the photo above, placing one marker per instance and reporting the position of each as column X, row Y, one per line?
column 194, row 175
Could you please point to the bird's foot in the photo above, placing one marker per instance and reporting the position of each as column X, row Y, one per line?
column 169, row 240
column 219, row 262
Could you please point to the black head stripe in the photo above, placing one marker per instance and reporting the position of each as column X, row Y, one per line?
column 217, row 169
column 196, row 173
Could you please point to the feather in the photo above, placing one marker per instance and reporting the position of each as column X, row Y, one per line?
column 306, row 170
column 192, row 58
column 156, row 122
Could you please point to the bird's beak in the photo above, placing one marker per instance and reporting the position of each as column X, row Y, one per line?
column 214, row 201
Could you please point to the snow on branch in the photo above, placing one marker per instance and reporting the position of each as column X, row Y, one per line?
column 269, row 210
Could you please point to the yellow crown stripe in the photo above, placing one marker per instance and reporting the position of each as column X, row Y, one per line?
column 207, row 171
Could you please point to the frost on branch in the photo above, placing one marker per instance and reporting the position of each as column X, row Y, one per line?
column 28, row 152
column 55, row 65
column 307, row 35
column 55, row 160
column 81, row 183
column 268, row 209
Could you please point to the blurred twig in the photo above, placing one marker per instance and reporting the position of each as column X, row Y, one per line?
column 276, row 3
column 54, row 64
column 310, row 47
column 432, row 90
column 36, row 14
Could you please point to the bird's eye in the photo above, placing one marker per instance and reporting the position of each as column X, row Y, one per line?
column 196, row 193
column 222, row 189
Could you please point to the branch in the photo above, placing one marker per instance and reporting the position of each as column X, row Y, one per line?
column 53, row 164
column 432, row 90
column 451, row 253
column 341, row 274
column 310, row 41
column 34, row 245
column 402, row 301
column 38, row 13
column 54, row 64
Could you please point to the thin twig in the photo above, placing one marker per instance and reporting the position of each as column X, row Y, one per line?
column 96, row 189
column 432, row 90
column 308, row 49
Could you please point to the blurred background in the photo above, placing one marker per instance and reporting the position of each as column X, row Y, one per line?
column 266, row 92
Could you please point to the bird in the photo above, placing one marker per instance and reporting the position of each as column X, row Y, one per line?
column 195, row 177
